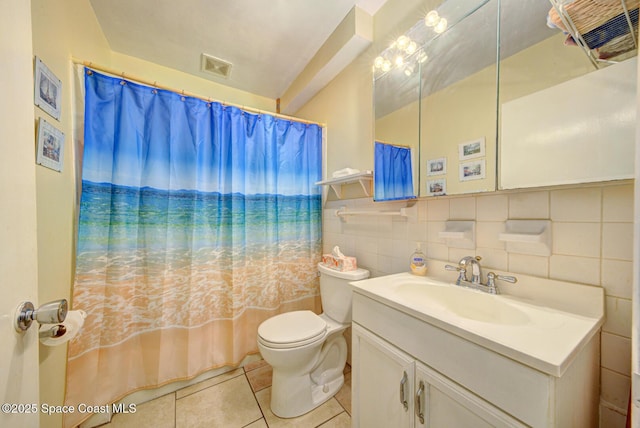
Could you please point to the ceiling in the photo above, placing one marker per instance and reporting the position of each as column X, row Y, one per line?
column 269, row 43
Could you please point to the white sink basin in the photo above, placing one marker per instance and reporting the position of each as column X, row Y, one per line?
column 465, row 303
column 535, row 332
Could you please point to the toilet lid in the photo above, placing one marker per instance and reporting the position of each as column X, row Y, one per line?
column 292, row 328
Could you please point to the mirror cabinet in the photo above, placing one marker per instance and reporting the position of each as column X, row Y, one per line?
column 501, row 94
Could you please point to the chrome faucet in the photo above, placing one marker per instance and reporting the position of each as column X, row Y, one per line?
column 473, row 263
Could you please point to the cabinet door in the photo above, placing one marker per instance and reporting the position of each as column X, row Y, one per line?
column 382, row 383
column 441, row 403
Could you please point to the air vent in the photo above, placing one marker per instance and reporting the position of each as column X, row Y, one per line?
column 215, row 66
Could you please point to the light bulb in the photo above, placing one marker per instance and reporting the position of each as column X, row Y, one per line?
column 440, row 26
column 411, row 48
column 377, row 63
column 399, row 61
column 408, row 71
column 431, row 19
column 402, row 42
column 386, row 65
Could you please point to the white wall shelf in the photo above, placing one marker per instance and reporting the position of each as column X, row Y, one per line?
column 527, row 237
column 364, row 178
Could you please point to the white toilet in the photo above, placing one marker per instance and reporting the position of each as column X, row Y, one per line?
column 308, row 352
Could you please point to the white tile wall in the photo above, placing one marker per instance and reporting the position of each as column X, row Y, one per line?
column 576, row 205
column 592, row 231
column 615, row 350
column 532, row 205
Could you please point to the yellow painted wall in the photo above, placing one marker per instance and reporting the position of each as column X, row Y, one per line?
column 63, row 30
column 347, row 111
column 345, row 105
column 193, row 84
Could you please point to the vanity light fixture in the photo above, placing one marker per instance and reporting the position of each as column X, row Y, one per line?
column 382, row 63
column 411, row 48
column 432, row 19
column 403, row 46
column 409, row 69
column 441, row 26
column 403, row 42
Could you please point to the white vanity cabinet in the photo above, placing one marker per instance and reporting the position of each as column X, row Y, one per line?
column 466, row 384
column 392, row 389
column 382, row 381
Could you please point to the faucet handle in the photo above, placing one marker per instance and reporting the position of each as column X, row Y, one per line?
column 463, row 272
column 491, row 281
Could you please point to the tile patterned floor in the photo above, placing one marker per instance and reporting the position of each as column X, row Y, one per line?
column 236, row 399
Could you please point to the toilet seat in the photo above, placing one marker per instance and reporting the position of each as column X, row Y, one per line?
column 292, row 329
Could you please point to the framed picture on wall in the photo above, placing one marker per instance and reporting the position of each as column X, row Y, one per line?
column 50, row 145
column 437, row 166
column 48, row 90
column 474, row 170
column 437, row 187
column 471, row 149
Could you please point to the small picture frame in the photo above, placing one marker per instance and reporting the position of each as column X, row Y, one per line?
column 474, row 170
column 50, row 146
column 471, row 149
column 48, row 90
column 437, row 187
column 437, row 166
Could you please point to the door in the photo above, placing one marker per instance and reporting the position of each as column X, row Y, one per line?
column 382, row 378
column 441, row 403
column 18, row 250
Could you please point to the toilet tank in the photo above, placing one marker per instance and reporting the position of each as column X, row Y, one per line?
column 336, row 293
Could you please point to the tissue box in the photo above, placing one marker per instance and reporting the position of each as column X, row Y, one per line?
column 339, row 263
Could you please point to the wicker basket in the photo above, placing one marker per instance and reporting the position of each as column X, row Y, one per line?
column 588, row 15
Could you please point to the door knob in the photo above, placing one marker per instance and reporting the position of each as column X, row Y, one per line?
column 50, row 313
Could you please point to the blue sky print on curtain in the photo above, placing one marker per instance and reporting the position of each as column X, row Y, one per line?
column 197, row 222
column 392, row 172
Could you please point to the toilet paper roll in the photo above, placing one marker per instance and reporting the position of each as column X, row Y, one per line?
column 72, row 325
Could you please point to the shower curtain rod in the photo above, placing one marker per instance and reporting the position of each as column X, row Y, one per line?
column 389, row 143
column 155, row 84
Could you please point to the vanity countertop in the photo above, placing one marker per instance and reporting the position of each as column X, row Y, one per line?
column 544, row 324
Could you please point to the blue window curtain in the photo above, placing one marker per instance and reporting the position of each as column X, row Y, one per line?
column 392, row 173
column 197, row 222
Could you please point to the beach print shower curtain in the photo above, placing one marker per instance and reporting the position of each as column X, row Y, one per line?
column 197, row 222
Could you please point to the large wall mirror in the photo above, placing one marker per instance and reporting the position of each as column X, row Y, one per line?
column 396, row 89
column 501, row 95
column 397, row 111
column 440, row 97
column 459, row 103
